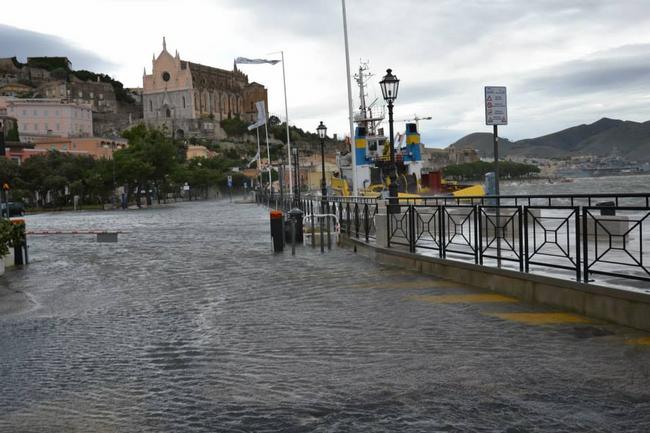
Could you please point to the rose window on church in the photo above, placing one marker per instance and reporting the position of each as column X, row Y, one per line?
column 166, row 76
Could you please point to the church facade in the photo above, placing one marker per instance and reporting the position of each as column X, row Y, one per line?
column 191, row 99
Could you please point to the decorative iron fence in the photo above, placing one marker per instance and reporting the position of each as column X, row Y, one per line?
column 580, row 237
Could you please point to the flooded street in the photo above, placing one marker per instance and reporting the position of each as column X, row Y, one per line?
column 190, row 324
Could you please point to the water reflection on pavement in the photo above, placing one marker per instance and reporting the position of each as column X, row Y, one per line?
column 190, row 324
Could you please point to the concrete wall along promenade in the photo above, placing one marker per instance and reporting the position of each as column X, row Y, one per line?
column 619, row 306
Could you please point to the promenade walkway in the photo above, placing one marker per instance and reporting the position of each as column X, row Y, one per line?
column 189, row 323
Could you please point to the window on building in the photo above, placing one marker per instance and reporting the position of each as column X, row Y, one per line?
column 183, row 101
column 92, row 95
column 81, row 94
column 101, row 96
column 168, row 113
column 150, row 105
column 35, row 113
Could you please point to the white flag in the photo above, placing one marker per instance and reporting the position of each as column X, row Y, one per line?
column 255, row 158
column 245, row 61
column 261, row 116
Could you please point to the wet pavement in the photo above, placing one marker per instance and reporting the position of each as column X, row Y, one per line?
column 190, row 324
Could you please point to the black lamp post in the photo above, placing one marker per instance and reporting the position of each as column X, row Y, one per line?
column 389, row 87
column 296, row 182
column 322, row 133
column 2, row 139
column 3, row 193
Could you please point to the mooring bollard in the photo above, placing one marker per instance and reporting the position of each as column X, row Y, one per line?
column 277, row 231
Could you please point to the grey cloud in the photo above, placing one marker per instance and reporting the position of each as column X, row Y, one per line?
column 308, row 19
column 24, row 43
column 625, row 68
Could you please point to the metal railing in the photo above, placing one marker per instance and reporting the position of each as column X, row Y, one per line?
column 562, row 235
column 571, row 236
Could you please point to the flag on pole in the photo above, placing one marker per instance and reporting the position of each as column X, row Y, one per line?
column 245, row 61
column 255, row 158
column 261, row 116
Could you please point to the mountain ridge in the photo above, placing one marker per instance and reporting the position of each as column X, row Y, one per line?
column 605, row 137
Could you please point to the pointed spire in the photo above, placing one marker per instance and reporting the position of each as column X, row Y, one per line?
column 144, row 72
column 153, row 57
column 234, row 62
column 178, row 57
column 164, row 44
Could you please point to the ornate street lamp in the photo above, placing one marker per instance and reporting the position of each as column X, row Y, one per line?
column 296, row 179
column 389, row 88
column 322, row 133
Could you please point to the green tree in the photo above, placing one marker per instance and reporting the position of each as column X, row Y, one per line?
column 234, row 127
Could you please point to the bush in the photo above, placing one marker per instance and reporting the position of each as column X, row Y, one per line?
column 11, row 235
column 234, row 127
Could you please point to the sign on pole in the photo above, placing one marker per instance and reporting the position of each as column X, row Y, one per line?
column 496, row 105
column 229, row 181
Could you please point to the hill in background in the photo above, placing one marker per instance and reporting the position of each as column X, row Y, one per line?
column 630, row 140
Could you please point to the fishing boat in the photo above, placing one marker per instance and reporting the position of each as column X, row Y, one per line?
column 374, row 167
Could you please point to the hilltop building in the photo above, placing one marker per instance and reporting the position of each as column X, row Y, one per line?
column 113, row 108
column 39, row 118
column 191, row 99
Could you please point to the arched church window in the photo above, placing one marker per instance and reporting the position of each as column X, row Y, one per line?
column 150, row 105
column 183, row 101
column 168, row 113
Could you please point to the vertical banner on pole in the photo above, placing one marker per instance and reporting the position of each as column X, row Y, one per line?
column 496, row 113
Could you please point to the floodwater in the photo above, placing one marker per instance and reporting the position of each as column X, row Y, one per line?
column 190, row 324
column 582, row 185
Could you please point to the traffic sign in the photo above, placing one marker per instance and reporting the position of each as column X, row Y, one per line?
column 229, row 181
column 496, row 105
column 5, row 186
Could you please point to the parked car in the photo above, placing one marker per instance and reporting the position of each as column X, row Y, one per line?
column 15, row 209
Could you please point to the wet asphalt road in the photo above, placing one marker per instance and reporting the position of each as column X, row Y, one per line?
column 190, row 324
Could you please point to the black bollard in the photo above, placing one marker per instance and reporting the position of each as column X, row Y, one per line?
column 296, row 215
column 277, row 230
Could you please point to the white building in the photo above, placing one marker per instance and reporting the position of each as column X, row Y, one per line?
column 50, row 118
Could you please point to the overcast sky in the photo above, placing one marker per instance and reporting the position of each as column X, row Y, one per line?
column 564, row 62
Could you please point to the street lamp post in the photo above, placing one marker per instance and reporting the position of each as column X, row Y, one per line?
column 389, row 87
column 3, row 193
column 322, row 133
column 296, row 189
